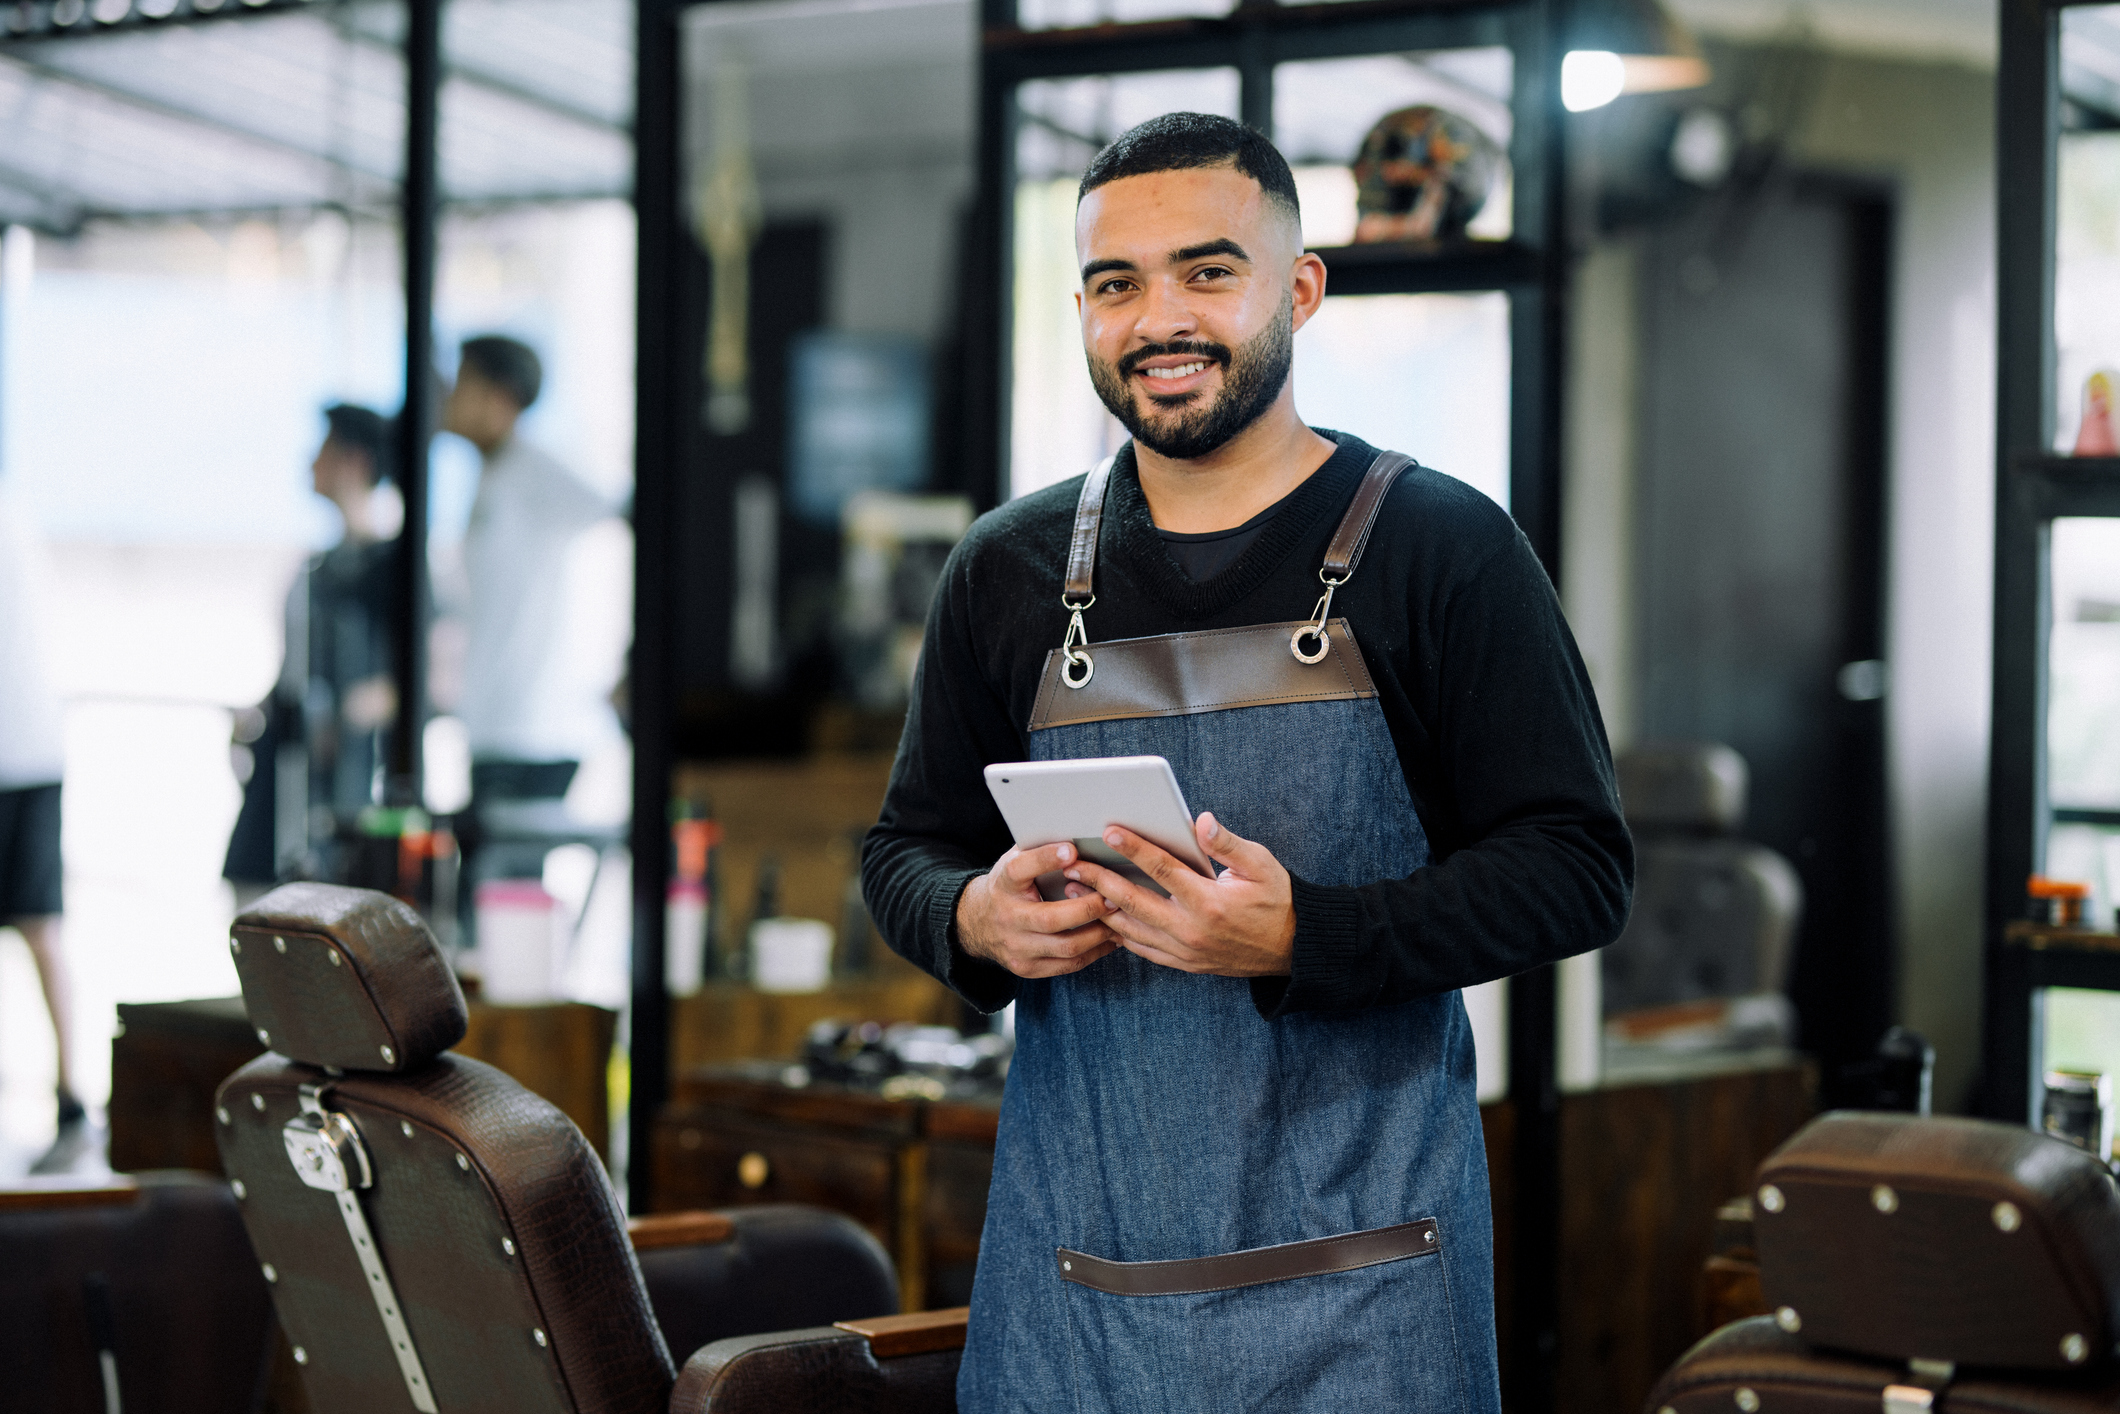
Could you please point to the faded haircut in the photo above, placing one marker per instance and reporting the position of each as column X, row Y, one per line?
column 1177, row 141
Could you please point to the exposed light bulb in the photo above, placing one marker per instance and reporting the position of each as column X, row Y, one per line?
column 1591, row 78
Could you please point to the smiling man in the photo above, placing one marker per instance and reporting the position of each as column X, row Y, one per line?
column 1240, row 1162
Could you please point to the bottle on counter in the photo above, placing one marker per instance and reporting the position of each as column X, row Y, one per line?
column 688, row 937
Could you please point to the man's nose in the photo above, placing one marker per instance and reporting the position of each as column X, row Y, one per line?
column 1166, row 315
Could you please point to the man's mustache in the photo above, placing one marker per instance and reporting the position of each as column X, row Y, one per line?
column 1131, row 363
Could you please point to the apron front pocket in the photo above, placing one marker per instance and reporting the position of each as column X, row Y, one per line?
column 1358, row 1321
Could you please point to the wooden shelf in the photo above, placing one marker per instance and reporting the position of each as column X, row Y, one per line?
column 2043, row 937
column 2067, row 486
column 1404, row 268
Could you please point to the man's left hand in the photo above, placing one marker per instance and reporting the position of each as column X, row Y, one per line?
column 1241, row 923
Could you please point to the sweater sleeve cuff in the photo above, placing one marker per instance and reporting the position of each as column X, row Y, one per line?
column 1323, row 975
column 988, row 986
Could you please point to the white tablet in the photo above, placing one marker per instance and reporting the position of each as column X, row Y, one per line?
column 1046, row 802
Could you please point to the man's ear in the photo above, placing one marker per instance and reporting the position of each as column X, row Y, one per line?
column 1306, row 288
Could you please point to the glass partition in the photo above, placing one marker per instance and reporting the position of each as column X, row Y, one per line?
column 2083, row 711
column 1427, row 375
column 2087, row 233
column 1324, row 109
column 1077, row 14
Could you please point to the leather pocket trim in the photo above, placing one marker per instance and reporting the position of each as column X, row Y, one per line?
column 1257, row 1266
column 1176, row 674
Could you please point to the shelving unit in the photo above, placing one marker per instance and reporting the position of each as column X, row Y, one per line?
column 1410, row 270
column 2034, row 487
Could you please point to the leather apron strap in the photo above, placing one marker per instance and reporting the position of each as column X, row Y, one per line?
column 1348, row 542
column 1341, row 556
column 1081, row 586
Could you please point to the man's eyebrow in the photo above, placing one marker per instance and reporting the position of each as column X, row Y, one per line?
column 1222, row 245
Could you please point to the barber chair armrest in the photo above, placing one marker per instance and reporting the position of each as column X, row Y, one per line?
column 891, row 1365
column 692, row 1228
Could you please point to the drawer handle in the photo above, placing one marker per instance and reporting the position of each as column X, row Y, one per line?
column 752, row 1170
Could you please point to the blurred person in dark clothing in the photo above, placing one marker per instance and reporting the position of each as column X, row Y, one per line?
column 317, row 742
column 32, row 763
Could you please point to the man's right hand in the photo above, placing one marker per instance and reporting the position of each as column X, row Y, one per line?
column 1001, row 918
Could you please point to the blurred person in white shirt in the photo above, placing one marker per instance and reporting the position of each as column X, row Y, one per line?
column 32, row 764
column 530, row 713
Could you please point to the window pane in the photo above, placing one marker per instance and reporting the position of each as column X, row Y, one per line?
column 1427, row 375
column 1323, row 110
column 1074, row 14
column 2083, row 1033
column 2083, row 710
column 1061, row 123
column 1057, row 427
column 2087, row 254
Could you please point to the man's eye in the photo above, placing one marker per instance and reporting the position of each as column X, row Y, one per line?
column 1213, row 272
column 1115, row 287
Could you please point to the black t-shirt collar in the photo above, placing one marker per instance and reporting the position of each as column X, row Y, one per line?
column 1130, row 534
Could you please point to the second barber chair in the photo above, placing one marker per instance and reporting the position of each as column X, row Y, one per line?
column 1715, row 915
column 435, row 1237
column 1921, row 1266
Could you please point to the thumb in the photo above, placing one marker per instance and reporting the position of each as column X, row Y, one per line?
column 1244, row 858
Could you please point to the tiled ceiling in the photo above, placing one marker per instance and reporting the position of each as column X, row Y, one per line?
column 302, row 105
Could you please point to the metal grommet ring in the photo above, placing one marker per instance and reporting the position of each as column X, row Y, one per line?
column 1067, row 669
column 1317, row 631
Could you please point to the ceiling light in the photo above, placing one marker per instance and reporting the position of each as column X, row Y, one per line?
column 1626, row 46
column 1591, row 78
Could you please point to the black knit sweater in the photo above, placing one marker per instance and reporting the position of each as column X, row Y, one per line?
column 1478, row 677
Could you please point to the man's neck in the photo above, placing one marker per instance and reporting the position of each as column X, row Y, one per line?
column 357, row 509
column 1238, row 479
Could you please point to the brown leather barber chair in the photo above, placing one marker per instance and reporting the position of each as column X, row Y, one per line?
column 1916, row 1264
column 435, row 1237
column 1715, row 915
column 135, row 1293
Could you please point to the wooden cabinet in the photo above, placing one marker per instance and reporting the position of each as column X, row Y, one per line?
column 168, row 1058
column 913, row 1172
column 730, row 1022
column 1645, row 1167
column 166, row 1061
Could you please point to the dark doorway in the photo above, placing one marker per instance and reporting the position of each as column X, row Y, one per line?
column 1762, row 491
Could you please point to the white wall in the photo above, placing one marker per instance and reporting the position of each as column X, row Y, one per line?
column 1931, row 127
column 1597, row 503
column 1928, row 128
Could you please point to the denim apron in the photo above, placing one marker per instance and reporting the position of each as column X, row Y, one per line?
column 1193, row 1208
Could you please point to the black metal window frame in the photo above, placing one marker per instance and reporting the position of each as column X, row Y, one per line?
column 2033, row 488
column 1253, row 40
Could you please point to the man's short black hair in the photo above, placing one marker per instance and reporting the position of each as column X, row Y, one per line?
column 509, row 364
column 1177, row 141
column 362, row 430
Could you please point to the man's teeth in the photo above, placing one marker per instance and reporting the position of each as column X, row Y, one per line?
column 1183, row 370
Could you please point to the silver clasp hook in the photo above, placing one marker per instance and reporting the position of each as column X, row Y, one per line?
column 1071, row 647
column 1316, row 627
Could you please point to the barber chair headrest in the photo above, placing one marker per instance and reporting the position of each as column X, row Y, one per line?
column 1697, row 786
column 347, row 978
column 1949, row 1240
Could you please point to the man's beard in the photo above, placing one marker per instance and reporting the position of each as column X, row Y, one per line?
column 1252, row 378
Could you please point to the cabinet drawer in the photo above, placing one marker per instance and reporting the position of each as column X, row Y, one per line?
column 707, row 1159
